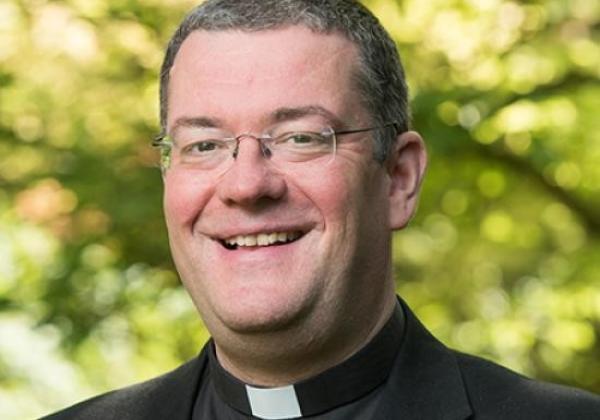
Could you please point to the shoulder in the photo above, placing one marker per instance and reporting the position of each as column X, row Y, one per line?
column 165, row 396
column 497, row 392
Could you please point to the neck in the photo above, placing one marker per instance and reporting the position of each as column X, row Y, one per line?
column 299, row 353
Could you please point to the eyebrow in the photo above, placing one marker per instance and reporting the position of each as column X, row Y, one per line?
column 289, row 114
column 196, row 122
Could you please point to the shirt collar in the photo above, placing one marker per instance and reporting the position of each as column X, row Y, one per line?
column 339, row 385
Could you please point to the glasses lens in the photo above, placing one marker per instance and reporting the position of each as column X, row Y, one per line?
column 204, row 149
column 300, row 146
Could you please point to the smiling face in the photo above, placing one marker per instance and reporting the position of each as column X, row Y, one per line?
column 263, row 247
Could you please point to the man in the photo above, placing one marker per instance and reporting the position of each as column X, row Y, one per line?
column 287, row 163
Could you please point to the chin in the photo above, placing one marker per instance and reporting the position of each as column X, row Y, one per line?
column 262, row 317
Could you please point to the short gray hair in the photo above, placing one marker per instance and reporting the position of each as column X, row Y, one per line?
column 380, row 77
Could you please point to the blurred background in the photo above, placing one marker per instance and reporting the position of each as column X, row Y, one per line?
column 502, row 260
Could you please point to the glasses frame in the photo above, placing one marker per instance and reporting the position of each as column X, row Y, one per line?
column 165, row 144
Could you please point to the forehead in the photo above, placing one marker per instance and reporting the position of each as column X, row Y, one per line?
column 244, row 73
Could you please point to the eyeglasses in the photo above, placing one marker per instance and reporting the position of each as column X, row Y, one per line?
column 208, row 148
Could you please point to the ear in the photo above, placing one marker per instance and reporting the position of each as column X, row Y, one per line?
column 406, row 168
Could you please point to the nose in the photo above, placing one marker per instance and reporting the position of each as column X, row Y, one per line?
column 251, row 179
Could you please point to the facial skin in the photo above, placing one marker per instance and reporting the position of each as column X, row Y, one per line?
column 279, row 314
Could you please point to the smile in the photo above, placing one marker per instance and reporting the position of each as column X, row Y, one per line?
column 261, row 239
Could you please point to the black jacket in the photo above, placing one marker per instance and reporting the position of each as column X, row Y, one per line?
column 430, row 381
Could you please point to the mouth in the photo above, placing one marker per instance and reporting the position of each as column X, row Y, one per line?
column 260, row 240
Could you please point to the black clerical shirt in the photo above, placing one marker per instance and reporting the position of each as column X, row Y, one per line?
column 403, row 373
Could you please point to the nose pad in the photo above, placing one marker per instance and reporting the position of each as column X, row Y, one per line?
column 263, row 147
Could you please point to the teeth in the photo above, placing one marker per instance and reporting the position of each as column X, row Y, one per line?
column 262, row 239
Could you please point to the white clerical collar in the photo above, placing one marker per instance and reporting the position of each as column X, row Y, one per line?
column 274, row 403
column 337, row 386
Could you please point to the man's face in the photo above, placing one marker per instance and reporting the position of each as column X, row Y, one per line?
column 335, row 213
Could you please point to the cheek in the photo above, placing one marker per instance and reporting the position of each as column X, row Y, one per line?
column 329, row 194
column 351, row 205
column 335, row 198
column 184, row 198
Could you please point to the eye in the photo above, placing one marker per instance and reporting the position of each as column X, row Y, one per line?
column 202, row 147
column 302, row 139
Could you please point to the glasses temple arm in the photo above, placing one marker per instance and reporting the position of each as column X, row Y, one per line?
column 363, row 130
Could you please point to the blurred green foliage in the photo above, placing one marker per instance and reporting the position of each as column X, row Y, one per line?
column 502, row 259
